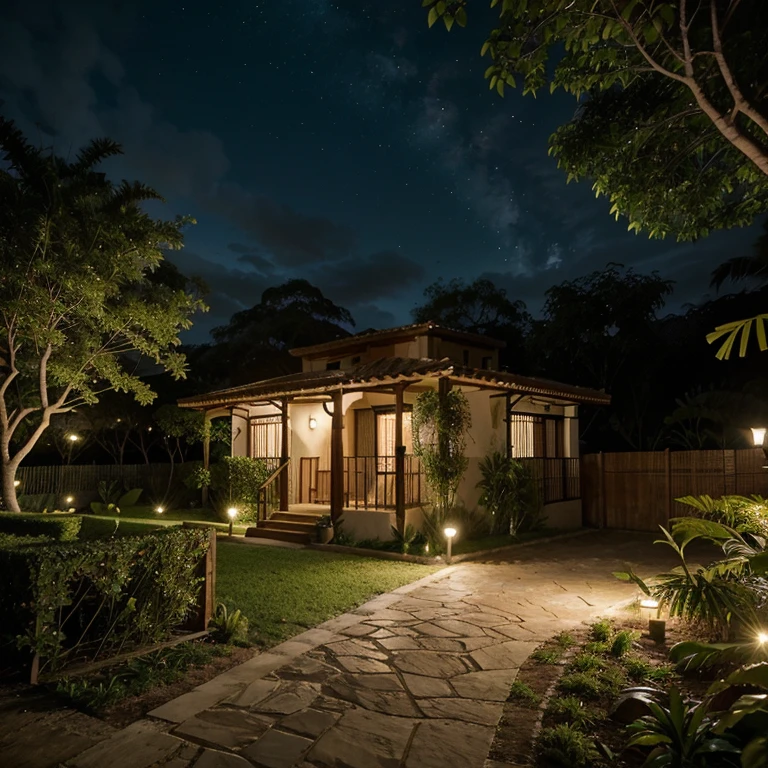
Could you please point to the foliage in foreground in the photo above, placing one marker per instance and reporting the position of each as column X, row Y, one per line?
column 724, row 596
column 85, row 600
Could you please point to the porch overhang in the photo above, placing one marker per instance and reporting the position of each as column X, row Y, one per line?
column 386, row 374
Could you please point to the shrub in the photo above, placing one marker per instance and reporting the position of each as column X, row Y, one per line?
column 586, row 662
column 113, row 499
column 509, row 492
column 228, row 626
column 60, row 527
column 586, row 685
column 235, row 481
column 37, row 502
column 523, row 693
column 622, row 642
column 601, row 631
column 547, row 655
column 565, row 745
column 571, row 709
column 565, row 640
column 83, row 600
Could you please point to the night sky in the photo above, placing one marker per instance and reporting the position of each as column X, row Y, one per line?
column 342, row 142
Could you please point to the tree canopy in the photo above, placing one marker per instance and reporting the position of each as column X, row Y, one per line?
column 80, row 297
column 672, row 123
column 254, row 344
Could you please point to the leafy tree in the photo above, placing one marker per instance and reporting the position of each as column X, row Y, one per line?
column 78, row 301
column 739, row 269
column 477, row 307
column 440, row 424
column 672, row 124
column 600, row 331
column 254, row 344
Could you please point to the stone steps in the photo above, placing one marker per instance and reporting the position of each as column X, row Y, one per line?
column 278, row 534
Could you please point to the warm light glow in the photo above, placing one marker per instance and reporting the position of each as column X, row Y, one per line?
column 649, row 604
column 762, row 638
column 758, row 436
column 312, row 422
column 232, row 512
column 73, row 438
column 426, row 548
column 449, row 532
column 70, row 499
column 159, row 510
column 16, row 483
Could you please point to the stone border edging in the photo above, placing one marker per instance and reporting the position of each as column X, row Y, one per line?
column 383, row 554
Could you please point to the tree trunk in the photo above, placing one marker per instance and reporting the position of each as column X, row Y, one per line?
column 8, row 486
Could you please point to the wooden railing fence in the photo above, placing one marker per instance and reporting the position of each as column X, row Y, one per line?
column 74, row 478
column 637, row 491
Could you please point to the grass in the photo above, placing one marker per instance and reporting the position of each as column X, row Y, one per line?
column 523, row 694
column 465, row 546
column 284, row 591
column 547, row 655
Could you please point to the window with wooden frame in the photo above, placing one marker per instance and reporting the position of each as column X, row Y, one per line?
column 534, row 436
column 266, row 434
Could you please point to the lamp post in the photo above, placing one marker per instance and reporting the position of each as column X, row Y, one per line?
column 758, row 439
column 232, row 514
column 449, row 534
column 657, row 627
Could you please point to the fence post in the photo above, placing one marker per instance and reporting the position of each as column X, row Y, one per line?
column 668, row 481
column 603, row 507
column 208, row 592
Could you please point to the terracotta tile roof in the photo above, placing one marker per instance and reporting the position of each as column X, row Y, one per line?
column 391, row 370
column 417, row 329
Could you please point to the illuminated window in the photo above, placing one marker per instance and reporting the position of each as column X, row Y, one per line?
column 385, row 439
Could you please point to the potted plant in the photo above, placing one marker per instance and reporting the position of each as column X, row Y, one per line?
column 324, row 526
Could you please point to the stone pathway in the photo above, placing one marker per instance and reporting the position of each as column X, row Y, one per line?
column 414, row 678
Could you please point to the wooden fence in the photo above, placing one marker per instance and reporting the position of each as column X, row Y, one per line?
column 637, row 491
column 79, row 482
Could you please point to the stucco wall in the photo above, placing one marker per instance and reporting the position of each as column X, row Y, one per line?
column 563, row 514
column 365, row 524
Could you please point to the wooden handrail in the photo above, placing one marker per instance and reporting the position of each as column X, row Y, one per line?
column 271, row 479
column 264, row 487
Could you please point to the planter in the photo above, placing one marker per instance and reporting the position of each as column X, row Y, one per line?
column 324, row 535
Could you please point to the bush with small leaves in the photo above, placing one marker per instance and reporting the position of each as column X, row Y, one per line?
column 601, row 631
column 565, row 640
column 586, row 662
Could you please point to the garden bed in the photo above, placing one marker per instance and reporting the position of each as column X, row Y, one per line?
column 557, row 714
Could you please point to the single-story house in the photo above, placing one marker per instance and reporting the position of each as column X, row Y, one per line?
column 338, row 434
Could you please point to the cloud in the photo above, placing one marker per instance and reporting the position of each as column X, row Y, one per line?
column 361, row 279
column 290, row 237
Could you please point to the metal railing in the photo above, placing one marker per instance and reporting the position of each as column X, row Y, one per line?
column 369, row 482
column 557, row 479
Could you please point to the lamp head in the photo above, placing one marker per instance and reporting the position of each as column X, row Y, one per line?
column 312, row 422
column 762, row 638
column 758, row 436
column 649, row 603
column 159, row 510
column 69, row 499
column 232, row 513
column 449, row 532
column 73, row 438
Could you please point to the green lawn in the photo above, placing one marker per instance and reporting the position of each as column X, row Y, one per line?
column 285, row 591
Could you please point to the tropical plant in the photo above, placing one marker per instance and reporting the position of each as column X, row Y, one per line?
column 440, row 422
column 691, row 655
column 83, row 292
column 228, row 626
column 727, row 591
column 113, row 499
column 622, row 642
column 509, row 492
column 409, row 541
column 745, row 514
column 680, row 734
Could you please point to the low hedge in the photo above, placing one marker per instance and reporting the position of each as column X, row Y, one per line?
column 59, row 526
column 78, row 601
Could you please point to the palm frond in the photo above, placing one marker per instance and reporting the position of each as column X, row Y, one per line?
column 732, row 330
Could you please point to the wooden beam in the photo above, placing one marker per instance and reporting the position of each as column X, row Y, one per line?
column 337, row 458
column 399, row 461
column 284, row 455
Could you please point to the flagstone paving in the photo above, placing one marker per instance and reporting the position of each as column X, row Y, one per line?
column 414, row 678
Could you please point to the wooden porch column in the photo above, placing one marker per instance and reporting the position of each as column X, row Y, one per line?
column 206, row 452
column 399, row 461
column 284, row 456
column 337, row 458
